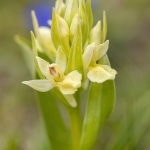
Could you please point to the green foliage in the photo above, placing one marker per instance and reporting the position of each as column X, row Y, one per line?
column 27, row 52
column 56, row 130
column 100, row 104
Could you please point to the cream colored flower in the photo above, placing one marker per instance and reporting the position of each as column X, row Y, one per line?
column 54, row 74
column 101, row 73
column 43, row 39
column 97, row 72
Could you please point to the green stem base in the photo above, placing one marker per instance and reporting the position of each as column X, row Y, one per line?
column 76, row 125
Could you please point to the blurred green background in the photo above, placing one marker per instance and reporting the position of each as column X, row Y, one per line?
column 128, row 128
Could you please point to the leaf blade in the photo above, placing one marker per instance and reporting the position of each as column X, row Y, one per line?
column 27, row 52
column 55, row 128
column 99, row 107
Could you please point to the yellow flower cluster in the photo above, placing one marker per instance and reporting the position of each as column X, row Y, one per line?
column 73, row 47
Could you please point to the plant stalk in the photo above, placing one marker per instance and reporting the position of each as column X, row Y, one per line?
column 75, row 125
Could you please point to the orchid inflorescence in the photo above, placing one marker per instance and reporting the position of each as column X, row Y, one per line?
column 70, row 58
column 73, row 48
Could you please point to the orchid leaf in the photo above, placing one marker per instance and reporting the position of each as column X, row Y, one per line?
column 99, row 107
column 35, row 53
column 56, row 130
column 27, row 52
column 35, row 23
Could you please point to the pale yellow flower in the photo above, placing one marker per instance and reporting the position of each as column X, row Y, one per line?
column 68, row 84
column 97, row 72
column 43, row 39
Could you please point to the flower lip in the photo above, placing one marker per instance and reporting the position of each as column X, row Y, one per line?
column 52, row 71
column 55, row 72
column 101, row 73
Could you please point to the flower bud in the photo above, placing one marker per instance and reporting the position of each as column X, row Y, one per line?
column 75, row 55
column 71, row 10
column 73, row 28
column 60, row 33
column 99, row 51
column 46, row 42
column 84, row 18
column 60, row 7
column 87, row 55
column 95, row 34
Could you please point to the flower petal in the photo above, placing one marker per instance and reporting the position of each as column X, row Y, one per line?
column 60, row 7
column 60, row 32
column 95, row 34
column 74, row 78
column 100, row 51
column 71, row 10
column 38, row 46
column 35, row 23
column 71, row 100
column 49, row 22
column 71, row 83
column 46, row 43
column 66, row 88
column 101, row 73
column 39, row 85
column 61, row 59
column 43, row 65
column 45, row 33
column 73, row 27
column 87, row 55
column 75, row 54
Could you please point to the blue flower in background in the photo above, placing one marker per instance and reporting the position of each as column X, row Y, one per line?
column 43, row 12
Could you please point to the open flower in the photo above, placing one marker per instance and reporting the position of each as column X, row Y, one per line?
column 101, row 73
column 54, row 74
column 97, row 72
column 43, row 39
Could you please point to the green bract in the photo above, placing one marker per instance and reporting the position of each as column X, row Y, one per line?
column 66, row 56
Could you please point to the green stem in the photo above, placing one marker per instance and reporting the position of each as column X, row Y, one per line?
column 75, row 125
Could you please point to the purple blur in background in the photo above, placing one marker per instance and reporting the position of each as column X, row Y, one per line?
column 43, row 13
